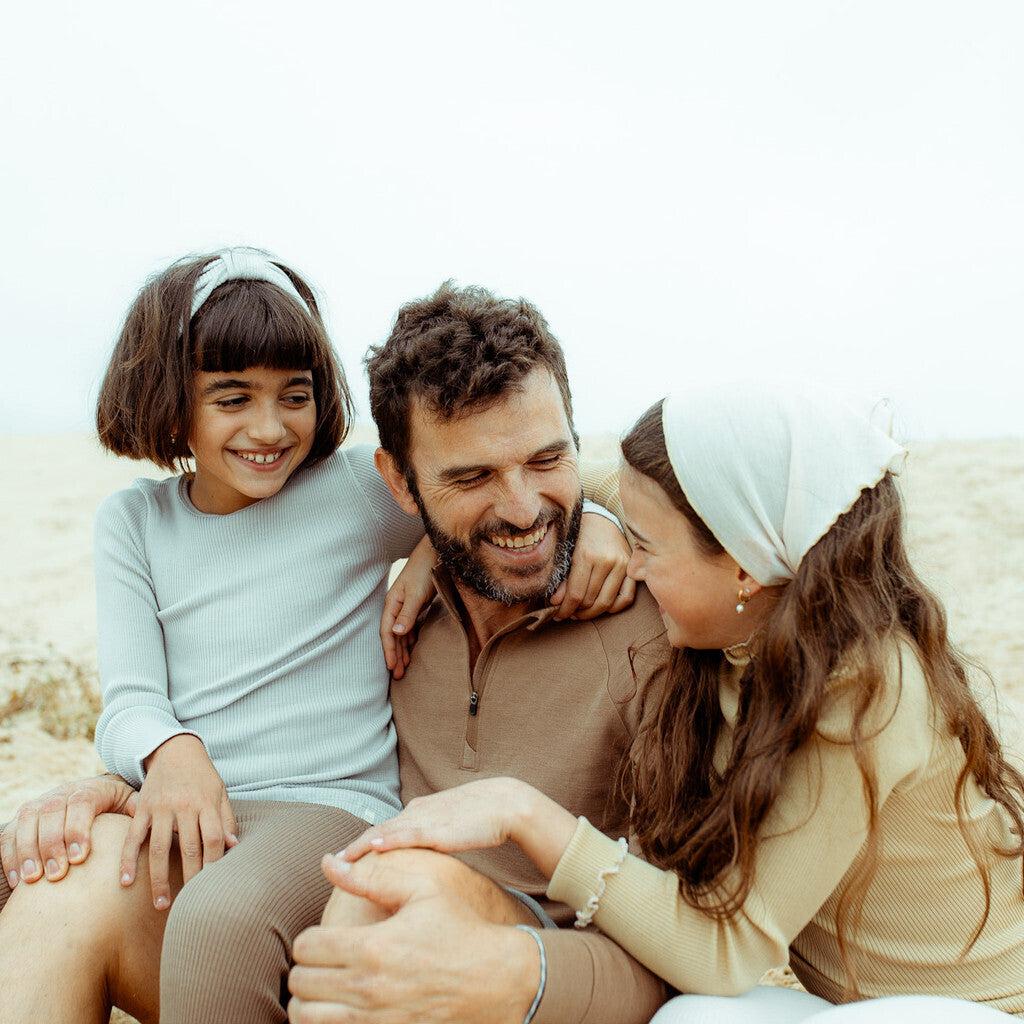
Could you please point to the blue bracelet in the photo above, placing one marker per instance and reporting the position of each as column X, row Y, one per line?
column 543, row 971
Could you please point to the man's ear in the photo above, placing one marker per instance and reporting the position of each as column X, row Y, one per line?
column 395, row 480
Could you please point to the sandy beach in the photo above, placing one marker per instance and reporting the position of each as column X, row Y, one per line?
column 966, row 533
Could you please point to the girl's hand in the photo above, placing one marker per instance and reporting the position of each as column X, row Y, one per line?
column 411, row 591
column 597, row 582
column 51, row 833
column 182, row 794
column 476, row 816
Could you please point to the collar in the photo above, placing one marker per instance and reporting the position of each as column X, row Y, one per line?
column 448, row 596
column 738, row 654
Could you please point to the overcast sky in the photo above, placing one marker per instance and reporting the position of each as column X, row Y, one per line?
column 820, row 187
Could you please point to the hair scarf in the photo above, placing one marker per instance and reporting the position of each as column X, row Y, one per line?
column 241, row 263
column 770, row 466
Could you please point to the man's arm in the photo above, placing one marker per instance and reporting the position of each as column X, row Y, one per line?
column 591, row 980
column 435, row 959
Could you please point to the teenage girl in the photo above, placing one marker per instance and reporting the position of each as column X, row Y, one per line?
column 245, row 696
column 817, row 783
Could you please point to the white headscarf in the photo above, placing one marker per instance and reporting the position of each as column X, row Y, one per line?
column 241, row 263
column 770, row 466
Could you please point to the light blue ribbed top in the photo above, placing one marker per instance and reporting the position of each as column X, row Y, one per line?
column 256, row 631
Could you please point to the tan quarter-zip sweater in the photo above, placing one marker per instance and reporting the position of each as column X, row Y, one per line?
column 556, row 704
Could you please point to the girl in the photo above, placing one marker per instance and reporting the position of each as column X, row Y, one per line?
column 816, row 782
column 245, row 696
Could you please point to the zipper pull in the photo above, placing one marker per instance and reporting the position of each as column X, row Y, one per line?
column 474, row 699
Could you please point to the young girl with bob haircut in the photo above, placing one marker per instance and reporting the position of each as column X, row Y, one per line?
column 245, row 694
column 816, row 783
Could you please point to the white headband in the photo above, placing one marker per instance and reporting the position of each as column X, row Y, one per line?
column 241, row 263
column 769, row 467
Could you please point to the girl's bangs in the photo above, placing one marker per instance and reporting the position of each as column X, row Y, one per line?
column 255, row 324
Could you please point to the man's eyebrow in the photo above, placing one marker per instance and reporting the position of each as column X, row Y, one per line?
column 236, row 384
column 559, row 447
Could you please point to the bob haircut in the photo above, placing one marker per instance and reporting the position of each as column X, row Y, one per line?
column 147, row 399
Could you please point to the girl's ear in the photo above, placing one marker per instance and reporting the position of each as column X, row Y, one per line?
column 395, row 480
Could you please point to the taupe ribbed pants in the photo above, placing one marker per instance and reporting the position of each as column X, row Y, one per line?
column 227, row 948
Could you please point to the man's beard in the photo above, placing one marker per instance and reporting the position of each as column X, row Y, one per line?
column 464, row 562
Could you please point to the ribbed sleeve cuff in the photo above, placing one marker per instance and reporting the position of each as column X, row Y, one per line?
column 601, row 483
column 592, row 506
column 137, row 735
column 577, row 874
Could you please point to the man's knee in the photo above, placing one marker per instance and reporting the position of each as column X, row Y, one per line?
column 477, row 891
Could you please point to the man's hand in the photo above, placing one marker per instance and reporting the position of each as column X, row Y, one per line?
column 434, row 961
column 52, row 832
column 597, row 582
column 183, row 796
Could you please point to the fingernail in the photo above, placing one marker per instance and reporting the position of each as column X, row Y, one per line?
column 13, row 878
column 28, row 868
column 232, row 838
column 398, row 628
column 341, row 853
column 74, row 850
column 52, row 867
column 126, row 879
column 377, row 841
column 162, row 903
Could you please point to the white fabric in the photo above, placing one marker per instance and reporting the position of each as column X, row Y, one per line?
column 237, row 264
column 763, row 1004
column 766, row 1004
column 911, row 1010
column 770, row 466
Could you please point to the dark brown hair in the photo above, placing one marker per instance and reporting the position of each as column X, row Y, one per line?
column 456, row 349
column 855, row 593
column 146, row 401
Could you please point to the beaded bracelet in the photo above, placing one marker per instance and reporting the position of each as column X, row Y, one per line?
column 543, row 971
column 586, row 915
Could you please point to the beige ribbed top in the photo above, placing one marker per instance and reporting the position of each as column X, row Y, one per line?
column 924, row 902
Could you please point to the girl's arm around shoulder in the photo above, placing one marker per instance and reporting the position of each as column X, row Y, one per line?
column 399, row 531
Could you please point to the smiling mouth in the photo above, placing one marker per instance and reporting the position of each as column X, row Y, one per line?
column 261, row 458
column 522, row 541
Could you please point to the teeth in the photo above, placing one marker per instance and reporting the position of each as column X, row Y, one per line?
column 260, row 459
column 521, row 541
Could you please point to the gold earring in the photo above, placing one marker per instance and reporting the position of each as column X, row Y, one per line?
column 741, row 598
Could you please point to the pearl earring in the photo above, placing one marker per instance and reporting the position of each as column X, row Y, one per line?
column 741, row 598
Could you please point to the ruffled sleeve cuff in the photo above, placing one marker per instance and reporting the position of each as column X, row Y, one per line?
column 578, row 874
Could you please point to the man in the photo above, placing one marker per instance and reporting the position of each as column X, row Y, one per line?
column 472, row 404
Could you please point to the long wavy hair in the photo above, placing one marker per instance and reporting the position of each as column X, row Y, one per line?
column 855, row 592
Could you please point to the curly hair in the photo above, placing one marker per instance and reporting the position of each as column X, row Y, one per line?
column 855, row 591
column 146, row 402
column 457, row 349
